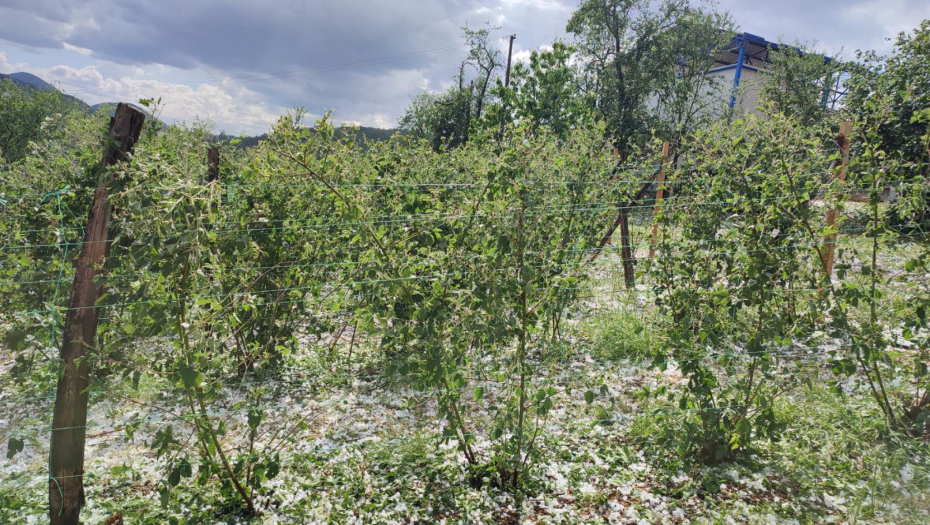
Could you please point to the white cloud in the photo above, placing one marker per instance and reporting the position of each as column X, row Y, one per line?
column 233, row 107
column 889, row 17
column 378, row 120
column 524, row 55
column 542, row 5
column 5, row 66
column 81, row 50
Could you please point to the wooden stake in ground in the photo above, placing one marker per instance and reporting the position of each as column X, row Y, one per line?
column 213, row 164
column 659, row 194
column 66, row 464
column 622, row 222
column 840, row 174
column 626, row 251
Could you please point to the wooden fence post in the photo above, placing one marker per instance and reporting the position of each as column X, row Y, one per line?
column 626, row 252
column 840, row 174
column 213, row 175
column 66, row 463
column 659, row 194
column 213, row 164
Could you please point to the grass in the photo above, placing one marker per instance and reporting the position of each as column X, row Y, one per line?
column 618, row 337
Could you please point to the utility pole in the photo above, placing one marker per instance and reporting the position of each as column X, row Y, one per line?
column 509, row 54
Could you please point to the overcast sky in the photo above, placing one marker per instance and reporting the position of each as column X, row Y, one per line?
column 241, row 63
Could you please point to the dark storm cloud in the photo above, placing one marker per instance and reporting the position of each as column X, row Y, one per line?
column 27, row 29
column 244, row 35
column 236, row 38
column 233, row 38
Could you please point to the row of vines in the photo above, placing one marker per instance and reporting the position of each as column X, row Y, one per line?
column 459, row 269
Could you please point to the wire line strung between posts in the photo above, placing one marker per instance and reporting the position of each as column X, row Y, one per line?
column 691, row 243
column 420, row 277
column 539, row 264
column 609, row 176
column 170, row 300
column 410, row 218
column 221, row 269
column 607, row 172
column 834, row 333
column 668, row 202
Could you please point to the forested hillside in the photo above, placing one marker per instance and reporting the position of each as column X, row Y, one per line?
column 359, row 133
column 51, row 98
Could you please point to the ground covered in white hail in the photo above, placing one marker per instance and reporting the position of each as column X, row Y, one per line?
column 354, row 446
column 370, row 452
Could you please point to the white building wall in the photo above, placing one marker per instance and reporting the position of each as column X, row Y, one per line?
column 748, row 93
column 719, row 89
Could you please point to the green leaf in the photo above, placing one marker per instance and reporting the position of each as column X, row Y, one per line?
column 255, row 418
column 589, row 397
column 13, row 447
column 174, row 477
column 189, row 376
column 15, row 340
column 274, row 467
column 744, row 427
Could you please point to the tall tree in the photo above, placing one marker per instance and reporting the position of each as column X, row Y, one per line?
column 547, row 91
column 442, row 119
column 892, row 96
column 445, row 119
column 904, row 77
column 486, row 60
column 620, row 43
column 799, row 82
column 687, row 98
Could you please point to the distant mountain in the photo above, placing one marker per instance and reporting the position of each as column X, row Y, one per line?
column 28, row 80
column 32, row 80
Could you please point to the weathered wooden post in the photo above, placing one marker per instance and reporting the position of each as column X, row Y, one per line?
column 213, row 175
column 659, row 194
column 213, row 164
column 840, row 174
column 66, row 464
column 626, row 251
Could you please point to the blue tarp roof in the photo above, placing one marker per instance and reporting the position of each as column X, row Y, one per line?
column 757, row 50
